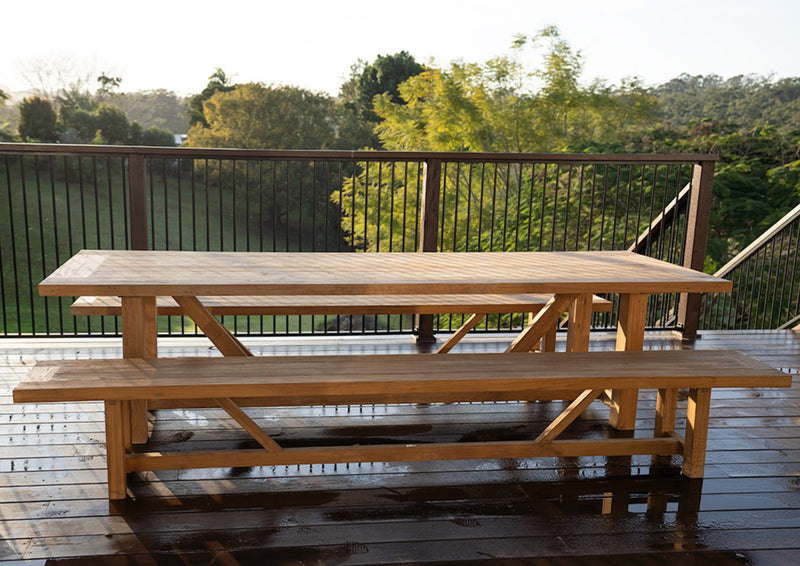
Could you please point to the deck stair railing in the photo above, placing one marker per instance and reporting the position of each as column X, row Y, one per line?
column 766, row 283
column 57, row 199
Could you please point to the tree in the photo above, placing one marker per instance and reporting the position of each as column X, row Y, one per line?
column 255, row 116
column 357, row 118
column 108, row 86
column 160, row 108
column 217, row 82
column 383, row 77
column 113, row 125
column 37, row 120
column 153, row 136
column 5, row 129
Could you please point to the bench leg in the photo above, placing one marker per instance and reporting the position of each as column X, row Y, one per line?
column 666, row 409
column 117, row 430
column 694, row 446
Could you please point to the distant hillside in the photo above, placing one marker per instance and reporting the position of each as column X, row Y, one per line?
column 745, row 100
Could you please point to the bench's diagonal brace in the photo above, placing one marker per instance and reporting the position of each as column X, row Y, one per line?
column 247, row 423
column 543, row 322
column 568, row 416
column 223, row 339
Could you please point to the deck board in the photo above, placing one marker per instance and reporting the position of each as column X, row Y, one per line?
column 624, row 510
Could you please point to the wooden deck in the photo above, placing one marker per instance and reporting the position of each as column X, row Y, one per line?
column 54, row 511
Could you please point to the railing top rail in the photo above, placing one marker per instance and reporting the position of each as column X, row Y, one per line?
column 754, row 246
column 342, row 155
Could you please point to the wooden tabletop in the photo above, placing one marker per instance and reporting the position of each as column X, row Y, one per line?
column 181, row 273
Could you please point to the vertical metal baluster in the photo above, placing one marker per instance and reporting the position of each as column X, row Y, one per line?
column 34, row 297
column 442, row 206
column 779, row 280
column 68, row 207
column 579, row 207
column 457, row 191
column 768, row 282
column 167, row 220
column 300, row 219
column 480, row 208
column 28, row 258
column 603, row 208
column 14, row 239
column 628, row 191
column 795, row 247
column 405, row 208
column 10, row 239
column 468, row 227
column 493, row 211
column 313, row 167
column 592, row 194
column 567, row 204
column 379, row 185
column 417, row 234
column 391, row 205
column 554, row 225
column 762, row 284
column 504, row 238
column 57, row 251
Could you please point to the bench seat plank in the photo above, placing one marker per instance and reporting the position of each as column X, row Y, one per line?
column 387, row 378
column 340, row 304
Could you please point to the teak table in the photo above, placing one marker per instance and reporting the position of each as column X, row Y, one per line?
column 138, row 277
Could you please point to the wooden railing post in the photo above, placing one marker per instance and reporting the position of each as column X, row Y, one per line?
column 137, row 201
column 429, row 234
column 698, row 221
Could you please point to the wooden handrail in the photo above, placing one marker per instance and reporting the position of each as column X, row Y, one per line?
column 345, row 155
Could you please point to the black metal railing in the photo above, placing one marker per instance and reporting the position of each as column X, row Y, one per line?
column 59, row 199
column 766, row 283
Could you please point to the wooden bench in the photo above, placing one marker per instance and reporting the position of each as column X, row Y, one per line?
column 478, row 305
column 357, row 379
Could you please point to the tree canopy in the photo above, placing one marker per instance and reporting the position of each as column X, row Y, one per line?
column 257, row 116
column 496, row 106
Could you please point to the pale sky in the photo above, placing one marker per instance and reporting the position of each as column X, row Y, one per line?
column 177, row 44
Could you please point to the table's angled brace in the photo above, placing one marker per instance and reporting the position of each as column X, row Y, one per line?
column 630, row 336
column 214, row 330
column 542, row 323
column 139, row 340
column 468, row 325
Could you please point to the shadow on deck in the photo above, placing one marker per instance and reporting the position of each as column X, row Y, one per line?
column 549, row 511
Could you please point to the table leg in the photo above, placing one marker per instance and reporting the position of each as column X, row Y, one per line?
column 579, row 324
column 630, row 336
column 139, row 340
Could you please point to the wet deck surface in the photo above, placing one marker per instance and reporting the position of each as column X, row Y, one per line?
column 54, row 511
